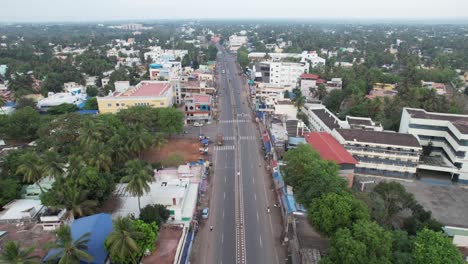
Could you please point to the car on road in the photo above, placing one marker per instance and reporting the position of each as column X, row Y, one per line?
column 223, row 71
column 205, row 213
column 197, row 124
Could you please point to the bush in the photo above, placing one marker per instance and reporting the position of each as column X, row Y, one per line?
column 155, row 213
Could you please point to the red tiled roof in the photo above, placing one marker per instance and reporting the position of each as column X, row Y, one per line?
column 320, row 81
column 329, row 148
column 309, row 76
column 149, row 89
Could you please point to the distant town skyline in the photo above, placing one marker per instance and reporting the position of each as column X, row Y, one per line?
column 110, row 10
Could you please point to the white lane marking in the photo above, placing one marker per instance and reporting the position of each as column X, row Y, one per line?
column 222, row 237
column 253, row 180
column 224, row 195
column 261, row 244
column 258, row 217
column 223, row 213
column 255, row 196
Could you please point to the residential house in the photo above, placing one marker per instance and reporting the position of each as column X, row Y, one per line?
column 236, row 41
column 438, row 87
column 380, row 90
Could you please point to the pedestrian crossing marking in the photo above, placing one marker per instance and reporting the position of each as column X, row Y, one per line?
column 229, row 138
column 224, row 148
column 248, row 137
column 233, row 121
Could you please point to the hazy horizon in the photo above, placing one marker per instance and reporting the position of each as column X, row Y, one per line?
column 47, row 11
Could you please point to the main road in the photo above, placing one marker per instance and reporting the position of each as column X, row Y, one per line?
column 243, row 230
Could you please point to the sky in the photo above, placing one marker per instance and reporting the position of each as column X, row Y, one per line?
column 108, row 10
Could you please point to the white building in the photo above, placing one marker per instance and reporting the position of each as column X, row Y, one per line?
column 270, row 90
column 448, row 135
column 178, row 195
column 73, row 88
column 20, row 210
column 321, row 119
column 157, row 54
column 287, row 73
column 74, row 96
column 235, row 42
column 166, row 70
column 381, row 153
column 313, row 58
column 112, row 53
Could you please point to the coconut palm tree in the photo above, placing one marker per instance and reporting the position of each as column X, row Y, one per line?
column 53, row 164
column 99, row 156
column 31, row 168
column 70, row 251
column 139, row 140
column 159, row 141
column 12, row 254
column 137, row 176
column 121, row 242
column 75, row 201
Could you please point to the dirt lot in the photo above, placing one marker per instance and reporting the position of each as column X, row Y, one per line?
column 166, row 245
column 29, row 236
column 184, row 147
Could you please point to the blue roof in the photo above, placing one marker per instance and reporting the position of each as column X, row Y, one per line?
column 99, row 225
column 87, row 112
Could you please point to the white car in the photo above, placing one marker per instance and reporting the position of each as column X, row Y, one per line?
column 196, row 124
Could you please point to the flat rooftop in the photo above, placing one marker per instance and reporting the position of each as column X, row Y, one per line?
column 326, row 118
column 201, row 99
column 359, row 121
column 459, row 121
column 148, row 89
column 379, row 137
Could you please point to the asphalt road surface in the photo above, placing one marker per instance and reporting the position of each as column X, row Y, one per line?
column 243, row 230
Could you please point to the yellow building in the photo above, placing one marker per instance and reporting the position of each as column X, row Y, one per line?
column 147, row 93
column 384, row 86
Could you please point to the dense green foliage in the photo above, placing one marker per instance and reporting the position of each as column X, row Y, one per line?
column 130, row 239
column 243, row 57
column 70, row 249
column 375, row 227
column 13, row 254
column 157, row 213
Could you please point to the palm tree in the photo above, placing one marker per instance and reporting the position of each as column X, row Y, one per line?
column 137, row 176
column 121, row 241
column 159, row 141
column 70, row 251
column 12, row 254
column 99, row 156
column 2, row 103
column 53, row 164
column 139, row 140
column 31, row 168
column 75, row 201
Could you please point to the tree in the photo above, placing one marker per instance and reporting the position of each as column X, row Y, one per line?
column 53, row 164
column 140, row 140
column 170, row 121
column 137, row 176
column 70, row 197
column 365, row 242
column 436, row 248
column 395, row 199
column 62, row 109
column 23, row 124
column 70, row 251
column 24, row 101
column 92, row 91
column 321, row 91
column 121, row 242
column 91, row 104
column 12, row 254
column 31, row 168
column 333, row 211
column 157, row 213
column 333, row 100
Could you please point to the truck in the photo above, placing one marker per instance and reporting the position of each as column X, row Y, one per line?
column 220, row 139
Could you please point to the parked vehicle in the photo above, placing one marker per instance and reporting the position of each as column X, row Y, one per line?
column 205, row 213
column 220, row 139
column 203, row 150
column 197, row 124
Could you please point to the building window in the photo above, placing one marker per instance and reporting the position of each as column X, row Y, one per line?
column 109, row 105
column 161, row 103
column 117, row 104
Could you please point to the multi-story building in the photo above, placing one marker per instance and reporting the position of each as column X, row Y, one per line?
column 132, row 26
column 147, row 93
column 308, row 81
column 73, row 96
column 321, row 119
column 157, row 54
column 445, row 135
column 287, row 73
column 189, row 88
column 381, row 153
column 165, row 70
column 198, row 107
column 313, row 58
column 365, row 123
column 235, row 42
